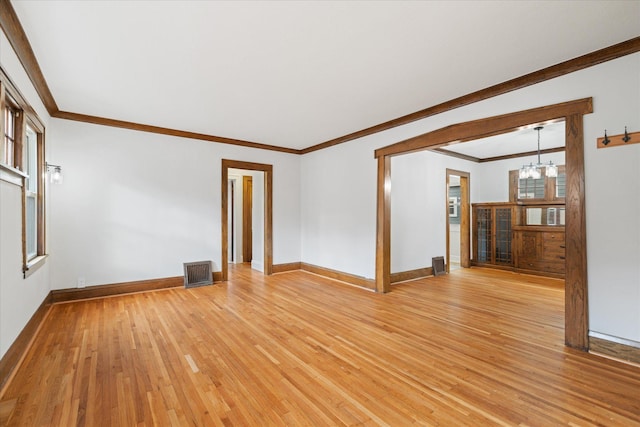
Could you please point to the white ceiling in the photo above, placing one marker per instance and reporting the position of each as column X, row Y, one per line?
column 552, row 135
column 298, row 73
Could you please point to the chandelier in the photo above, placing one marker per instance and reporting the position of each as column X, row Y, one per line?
column 535, row 171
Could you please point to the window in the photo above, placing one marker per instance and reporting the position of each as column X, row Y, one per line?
column 543, row 189
column 22, row 164
column 531, row 188
column 31, row 193
column 11, row 143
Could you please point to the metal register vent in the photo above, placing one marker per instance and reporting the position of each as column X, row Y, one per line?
column 197, row 274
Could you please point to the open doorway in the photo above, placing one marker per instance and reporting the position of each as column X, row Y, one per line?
column 261, row 213
column 246, row 215
column 458, row 220
column 572, row 112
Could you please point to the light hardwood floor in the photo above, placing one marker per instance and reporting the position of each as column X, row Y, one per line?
column 476, row 347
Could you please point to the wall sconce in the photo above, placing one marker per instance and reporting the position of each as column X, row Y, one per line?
column 55, row 173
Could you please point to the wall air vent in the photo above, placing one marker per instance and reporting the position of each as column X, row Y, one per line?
column 197, row 274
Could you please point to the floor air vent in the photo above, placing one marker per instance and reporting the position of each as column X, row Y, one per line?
column 197, row 274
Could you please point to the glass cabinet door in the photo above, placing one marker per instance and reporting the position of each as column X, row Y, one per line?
column 483, row 223
column 502, row 254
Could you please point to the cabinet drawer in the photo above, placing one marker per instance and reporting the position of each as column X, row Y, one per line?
column 553, row 266
column 553, row 238
column 553, row 243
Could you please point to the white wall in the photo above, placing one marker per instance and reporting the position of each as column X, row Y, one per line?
column 491, row 180
column 136, row 206
column 338, row 214
column 418, row 207
column 19, row 297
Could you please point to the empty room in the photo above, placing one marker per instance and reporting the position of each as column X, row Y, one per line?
column 319, row 213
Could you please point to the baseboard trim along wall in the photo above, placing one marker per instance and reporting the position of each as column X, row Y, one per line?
column 418, row 273
column 101, row 291
column 339, row 275
column 614, row 347
column 291, row 266
column 13, row 357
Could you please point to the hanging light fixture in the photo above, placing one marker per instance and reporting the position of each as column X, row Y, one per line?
column 535, row 171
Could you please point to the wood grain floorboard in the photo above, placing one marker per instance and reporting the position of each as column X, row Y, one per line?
column 475, row 347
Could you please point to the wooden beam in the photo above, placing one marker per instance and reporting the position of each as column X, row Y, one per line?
column 576, row 307
column 576, row 302
column 383, row 234
column 480, row 128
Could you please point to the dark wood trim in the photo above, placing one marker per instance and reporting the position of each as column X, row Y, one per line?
column 217, row 276
column 480, row 128
column 167, row 131
column 576, row 315
column 101, row 291
column 291, row 266
column 339, row 275
column 13, row 357
column 247, row 219
column 449, row 153
column 614, row 349
column 465, row 219
column 11, row 89
column 18, row 39
column 516, row 155
column 268, row 212
column 418, row 273
column 268, row 221
column 42, row 196
column 20, row 43
column 576, row 305
column 566, row 67
column 383, row 226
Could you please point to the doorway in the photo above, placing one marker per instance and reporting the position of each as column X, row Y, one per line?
column 572, row 112
column 226, row 191
column 458, row 220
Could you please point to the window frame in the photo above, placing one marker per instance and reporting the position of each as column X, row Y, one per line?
column 11, row 98
column 549, row 188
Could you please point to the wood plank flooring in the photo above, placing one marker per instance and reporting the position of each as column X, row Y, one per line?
column 476, row 347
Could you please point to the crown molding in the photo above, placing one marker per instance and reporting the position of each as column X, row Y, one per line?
column 12, row 28
column 17, row 37
column 66, row 115
column 585, row 61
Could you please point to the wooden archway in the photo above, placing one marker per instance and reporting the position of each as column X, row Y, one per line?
column 576, row 304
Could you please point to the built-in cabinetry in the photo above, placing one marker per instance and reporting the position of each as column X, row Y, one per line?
column 492, row 233
column 525, row 234
column 540, row 250
column 510, row 235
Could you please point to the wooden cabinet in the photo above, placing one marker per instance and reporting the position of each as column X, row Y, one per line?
column 502, row 238
column 540, row 250
column 492, row 233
